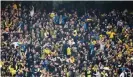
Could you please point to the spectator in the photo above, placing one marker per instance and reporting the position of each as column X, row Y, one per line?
column 62, row 43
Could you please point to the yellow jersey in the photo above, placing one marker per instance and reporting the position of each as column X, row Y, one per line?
column 68, row 51
column 111, row 34
column 47, row 51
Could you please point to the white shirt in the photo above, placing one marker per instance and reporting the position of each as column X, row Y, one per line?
column 102, row 46
column 120, row 23
column 122, row 74
column 15, row 44
column 32, row 12
column 98, row 74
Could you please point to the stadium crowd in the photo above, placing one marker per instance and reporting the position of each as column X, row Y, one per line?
column 36, row 43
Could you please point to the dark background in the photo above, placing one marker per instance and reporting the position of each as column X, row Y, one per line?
column 80, row 6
